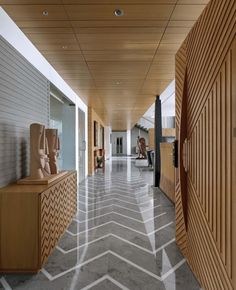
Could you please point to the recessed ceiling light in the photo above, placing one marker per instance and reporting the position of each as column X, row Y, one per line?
column 117, row 83
column 45, row 13
column 64, row 47
column 119, row 12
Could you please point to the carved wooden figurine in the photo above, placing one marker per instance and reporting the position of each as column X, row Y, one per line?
column 53, row 147
column 142, row 152
column 39, row 166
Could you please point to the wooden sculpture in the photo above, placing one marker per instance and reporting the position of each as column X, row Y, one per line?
column 142, row 152
column 44, row 145
column 53, row 147
column 39, row 162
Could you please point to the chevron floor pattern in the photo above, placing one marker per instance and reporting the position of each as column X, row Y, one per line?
column 123, row 237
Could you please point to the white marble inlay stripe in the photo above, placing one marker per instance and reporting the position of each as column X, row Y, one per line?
column 173, row 269
column 105, row 277
column 124, row 193
column 143, row 222
column 117, row 237
column 93, row 218
column 116, row 205
column 114, row 194
column 91, row 210
column 125, row 188
column 113, row 185
column 96, row 282
column 88, row 230
column 121, row 200
column 4, row 283
column 125, row 216
column 116, row 223
column 141, row 211
column 112, row 190
column 83, row 245
column 136, row 266
column 51, row 278
column 141, row 233
column 117, row 283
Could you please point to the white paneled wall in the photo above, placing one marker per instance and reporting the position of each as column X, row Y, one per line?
column 24, row 99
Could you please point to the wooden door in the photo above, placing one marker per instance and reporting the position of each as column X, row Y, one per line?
column 205, row 123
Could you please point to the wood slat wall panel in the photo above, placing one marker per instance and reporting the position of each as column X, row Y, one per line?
column 210, row 61
column 24, row 99
column 179, row 90
column 219, row 166
column 206, row 59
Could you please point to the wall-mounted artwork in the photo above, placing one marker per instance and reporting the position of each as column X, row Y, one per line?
column 101, row 137
column 95, row 132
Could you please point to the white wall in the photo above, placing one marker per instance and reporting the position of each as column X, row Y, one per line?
column 167, row 103
column 128, row 142
column 108, row 144
column 115, row 135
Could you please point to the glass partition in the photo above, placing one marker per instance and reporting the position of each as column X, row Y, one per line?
column 62, row 117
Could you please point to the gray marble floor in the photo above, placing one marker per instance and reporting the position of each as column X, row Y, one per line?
column 123, row 237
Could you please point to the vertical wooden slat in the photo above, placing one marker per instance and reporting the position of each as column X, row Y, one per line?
column 207, row 146
column 198, row 159
column 215, row 154
column 223, row 162
column 204, row 159
column 228, row 123
column 218, row 161
column 195, row 159
column 211, row 161
column 231, row 89
column 201, row 157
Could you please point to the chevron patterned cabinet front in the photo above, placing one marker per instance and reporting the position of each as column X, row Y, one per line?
column 58, row 206
column 32, row 220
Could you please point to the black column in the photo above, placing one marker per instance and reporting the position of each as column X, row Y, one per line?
column 158, row 140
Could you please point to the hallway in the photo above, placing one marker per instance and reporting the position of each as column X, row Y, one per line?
column 122, row 238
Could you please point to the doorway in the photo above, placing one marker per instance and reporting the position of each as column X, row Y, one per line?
column 82, row 145
column 119, row 145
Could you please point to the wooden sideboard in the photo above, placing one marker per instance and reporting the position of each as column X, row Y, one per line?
column 32, row 220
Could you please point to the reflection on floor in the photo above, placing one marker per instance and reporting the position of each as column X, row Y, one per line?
column 123, row 237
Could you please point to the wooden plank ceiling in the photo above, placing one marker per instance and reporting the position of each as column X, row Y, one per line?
column 117, row 65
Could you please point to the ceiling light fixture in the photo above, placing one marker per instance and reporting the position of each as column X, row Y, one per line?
column 64, row 47
column 119, row 12
column 45, row 13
